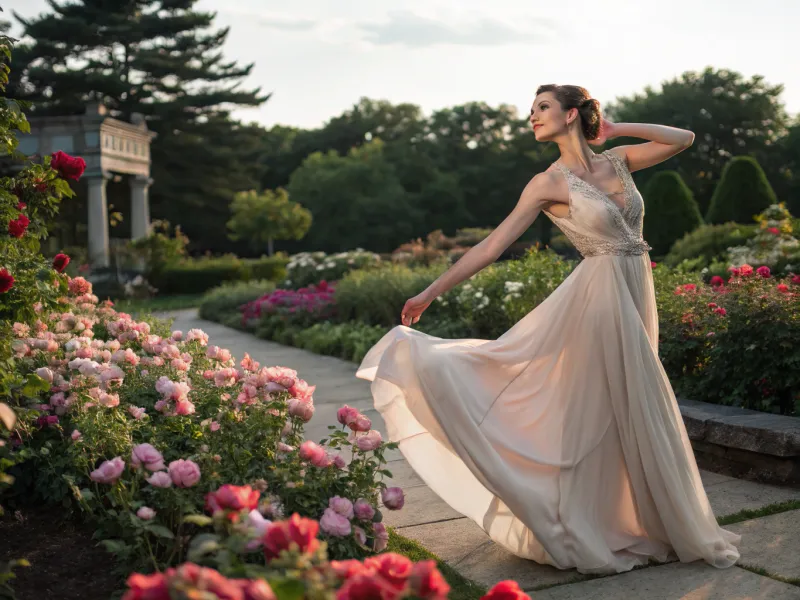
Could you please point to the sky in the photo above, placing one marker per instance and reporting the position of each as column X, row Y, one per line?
column 318, row 57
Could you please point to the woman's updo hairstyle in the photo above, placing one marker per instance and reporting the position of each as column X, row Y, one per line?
column 573, row 96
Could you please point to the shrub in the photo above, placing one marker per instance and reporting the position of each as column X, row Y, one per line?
column 742, row 192
column 733, row 343
column 309, row 268
column 158, row 249
column 272, row 267
column 225, row 301
column 197, row 275
column 708, row 243
column 302, row 307
column 670, row 211
column 773, row 245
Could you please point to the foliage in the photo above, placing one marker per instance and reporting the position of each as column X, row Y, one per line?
column 301, row 307
column 308, row 268
column 670, row 211
column 262, row 218
column 159, row 250
column 708, row 243
column 223, row 303
column 196, row 275
column 438, row 247
column 733, row 342
column 742, row 192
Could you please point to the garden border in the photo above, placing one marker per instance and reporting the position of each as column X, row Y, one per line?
column 744, row 443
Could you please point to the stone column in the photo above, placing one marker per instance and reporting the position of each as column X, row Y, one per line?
column 98, row 220
column 140, row 206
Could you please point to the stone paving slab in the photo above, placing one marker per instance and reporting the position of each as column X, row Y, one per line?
column 676, row 581
column 772, row 543
column 738, row 494
column 421, row 506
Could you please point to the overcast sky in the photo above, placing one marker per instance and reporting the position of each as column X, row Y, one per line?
column 319, row 57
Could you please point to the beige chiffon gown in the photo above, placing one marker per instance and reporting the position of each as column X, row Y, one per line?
column 562, row 438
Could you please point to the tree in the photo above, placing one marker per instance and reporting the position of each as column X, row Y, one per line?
column 670, row 211
column 730, row 116
column 262, row 218
column 159, row 58
column 356, row 200
column 742, row 193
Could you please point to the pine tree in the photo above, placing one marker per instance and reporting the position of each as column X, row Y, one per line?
column 162, row 59
column 670, row 211
column 742, row 192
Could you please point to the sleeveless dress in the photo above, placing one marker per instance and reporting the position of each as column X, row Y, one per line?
column 562, row 438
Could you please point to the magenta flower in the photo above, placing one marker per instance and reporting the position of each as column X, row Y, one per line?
column 335, row 524
column 393, row 498
column 343, row 506
column 109, row 471
column 160, row 480
column 147, row 456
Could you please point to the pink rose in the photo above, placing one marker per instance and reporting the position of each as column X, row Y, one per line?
column 302, row 410
column 346, row 414
column 360, row 535
column 109, row 471
column 45, row 374
column 393, row 498
column 145, row 513
column 339, row 462
column 361, row 423
column 184, row 407
column 147, row 456
column 764, row 272
column 369, row 441
column 76, row 435
column 311, row 451
column 363, row 510
column 184, row 473
column 343, row 506
column 746, row 270
column 137, row 412
column 160, row 480
column 109, row 400
column 381, row 536
column 335, row 524
column 214, row 426
column 284, row 448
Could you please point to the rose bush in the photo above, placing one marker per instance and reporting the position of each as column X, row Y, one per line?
column 309, row 268
column 139, row 424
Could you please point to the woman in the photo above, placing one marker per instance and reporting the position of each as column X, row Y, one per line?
column 562, row 439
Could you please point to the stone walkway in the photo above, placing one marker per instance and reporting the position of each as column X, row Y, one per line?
column 771, row 543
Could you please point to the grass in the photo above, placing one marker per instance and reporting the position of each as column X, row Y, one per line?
column 158, row 303
column 461, row 587
column 770, row 574
column 764, row 511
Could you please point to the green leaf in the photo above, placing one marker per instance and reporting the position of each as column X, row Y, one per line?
column 288, row 589
column 114, row 546
column 201, row 520
column 160, row 531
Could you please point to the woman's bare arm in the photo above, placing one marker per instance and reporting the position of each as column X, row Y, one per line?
column 666, row 142
column 530, row 204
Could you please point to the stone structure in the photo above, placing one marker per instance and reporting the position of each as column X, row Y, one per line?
column 109, row 146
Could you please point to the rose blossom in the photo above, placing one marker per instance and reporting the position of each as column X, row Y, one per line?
column 145, row 513
column 147, row 587
column 184, row 473
column 334, row 524
column 764, row 272
column 137, row 412
column 109, row 471
column 381, row 536
column 147, row 456
column 311, row 451
column 369, row 441
column 296, row 532
column 68, row 167
column 506, row 590
column 45, row 374
column 427, row 582
column 346, row 414
column 60, row 262
column 76, row 435
column 232, row 497
column 160, row 480
column 361, row 423
column 393, row 498
column 360, row 535
column 303, row 410
column 363, row 510
column 343, row 506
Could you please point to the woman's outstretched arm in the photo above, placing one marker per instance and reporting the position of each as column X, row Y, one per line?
column 530, row 204
column 665, row 142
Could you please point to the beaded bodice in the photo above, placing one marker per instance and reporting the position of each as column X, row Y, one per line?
column 595, row 224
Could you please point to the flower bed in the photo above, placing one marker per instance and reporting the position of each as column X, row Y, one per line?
column 308, row 268
column 141, row 425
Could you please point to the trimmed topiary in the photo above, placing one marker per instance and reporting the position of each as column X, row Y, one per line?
column 742, row 192
column 670, row 211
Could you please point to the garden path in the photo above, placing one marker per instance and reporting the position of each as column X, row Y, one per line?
column 769, row 544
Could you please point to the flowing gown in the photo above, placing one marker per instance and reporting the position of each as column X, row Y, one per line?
column 562, row 439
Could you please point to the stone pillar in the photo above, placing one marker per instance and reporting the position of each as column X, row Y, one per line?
column 140, row 206
column 98, row 220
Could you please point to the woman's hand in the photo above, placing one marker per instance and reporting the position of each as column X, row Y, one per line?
column 414, row 307
column 606, row 132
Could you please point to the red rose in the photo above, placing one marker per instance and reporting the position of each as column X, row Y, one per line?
column 720, row 311
column 394, row 568
column 68, row 167
column 348, row 568
column 796, row 279
column 296, row 532
column 366, row 587
column 763, row 271
column 147, row 587
column 21, row 206
column 18, row 226
column 6, row 281
column 506, row 590
column 782, row 287
column 257, row 589
column 746, row 270
column 427, row 581
column 774, row 230
column 717, row 280
column 60, row 262
column 234, row 498
column 652, row 264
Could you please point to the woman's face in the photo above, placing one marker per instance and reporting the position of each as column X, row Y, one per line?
column 547, row 119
